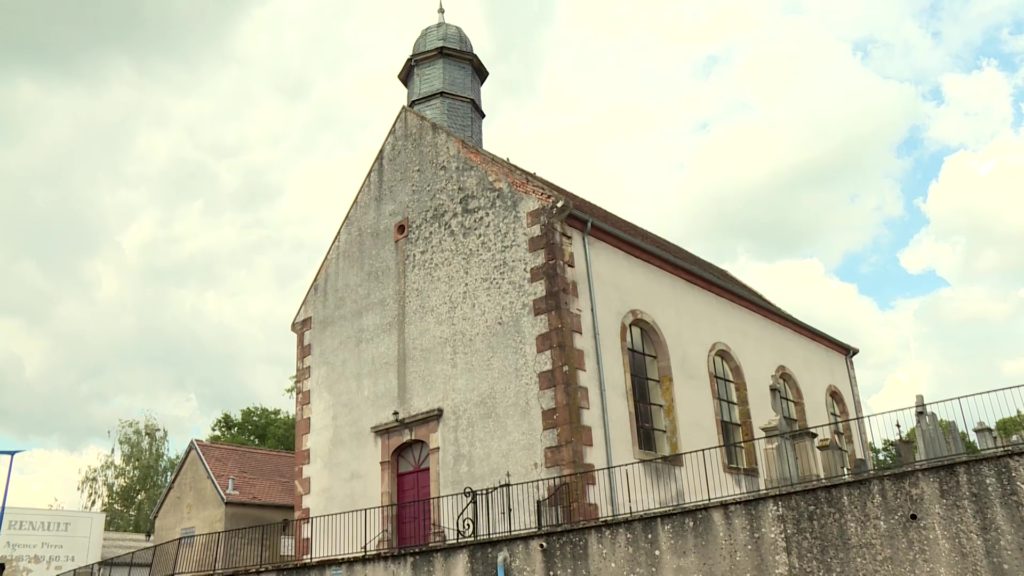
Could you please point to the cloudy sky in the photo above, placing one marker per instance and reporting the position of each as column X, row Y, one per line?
column 171, row 173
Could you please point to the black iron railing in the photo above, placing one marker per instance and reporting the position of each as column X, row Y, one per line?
column 780, row 459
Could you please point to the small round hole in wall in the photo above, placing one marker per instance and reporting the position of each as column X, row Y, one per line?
column 401, row 229
column 913, row 516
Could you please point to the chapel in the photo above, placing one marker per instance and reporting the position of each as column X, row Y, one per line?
column 473, row 323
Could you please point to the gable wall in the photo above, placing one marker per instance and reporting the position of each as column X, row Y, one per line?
column 692, row 320
column 441, row 319
column 245, row 515
column 192, row 501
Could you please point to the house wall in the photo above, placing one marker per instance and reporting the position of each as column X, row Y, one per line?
column 192, row 501
column 479, row 309
column 692, row 320
column 245, row 515
column 439, row 319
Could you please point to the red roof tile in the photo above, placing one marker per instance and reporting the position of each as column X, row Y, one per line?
column 261, row 476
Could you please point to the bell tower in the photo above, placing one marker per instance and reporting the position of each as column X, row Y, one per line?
column 443, row 77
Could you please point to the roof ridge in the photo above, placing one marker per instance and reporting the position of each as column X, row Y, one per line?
column 702, row 268
column 243, row 447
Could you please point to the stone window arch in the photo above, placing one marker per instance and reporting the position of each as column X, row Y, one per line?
column 839, row 423
column 403, row 440
column 649, row 388
column 732, row 410
column 793, row 408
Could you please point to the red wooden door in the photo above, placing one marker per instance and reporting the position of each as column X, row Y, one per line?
column 413, row 486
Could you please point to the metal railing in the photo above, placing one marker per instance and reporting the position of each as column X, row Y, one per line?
column 785, row 460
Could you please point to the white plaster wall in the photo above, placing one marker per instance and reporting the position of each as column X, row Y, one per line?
column 461, row 283
column 692, row 320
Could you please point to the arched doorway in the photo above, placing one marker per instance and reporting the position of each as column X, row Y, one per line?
column 413, row 495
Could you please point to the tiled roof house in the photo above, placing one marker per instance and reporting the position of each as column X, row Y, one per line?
column 222, row 487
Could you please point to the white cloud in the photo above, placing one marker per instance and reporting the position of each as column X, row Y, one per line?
column 1013, row 368
column 170, row 188
column 961, row 339
column 954, row 341
column 976, row 108
column 719, row 117
column 40, row 477
column 975, row 216
column 889, row 368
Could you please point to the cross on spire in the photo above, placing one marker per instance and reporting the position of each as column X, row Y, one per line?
column 440, row 11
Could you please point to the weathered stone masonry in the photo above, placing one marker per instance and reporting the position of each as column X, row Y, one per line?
column 303, row 350
column 565, row 452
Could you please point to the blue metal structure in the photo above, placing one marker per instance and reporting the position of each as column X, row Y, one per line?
column 7, row 484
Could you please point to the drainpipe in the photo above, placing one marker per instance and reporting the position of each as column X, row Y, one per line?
column 502, row 561
column 855, row 390
column 600, row 367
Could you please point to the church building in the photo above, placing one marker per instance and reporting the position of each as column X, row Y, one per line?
column 472, row 323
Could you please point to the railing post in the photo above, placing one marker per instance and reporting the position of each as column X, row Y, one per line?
column 963, row 418
column 262, row 542
column 508, row 500
column 476, row 514
column 629, row 492
column 177, row 551
column 707, row 479
column 366, row 533
column 216, row 553
column 489, row 514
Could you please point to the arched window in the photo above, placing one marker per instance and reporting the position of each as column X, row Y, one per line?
column 649, row 384
column 792, row 398
column 414, row 457
column 648, row 405
column 732, row 411
column 838, row 418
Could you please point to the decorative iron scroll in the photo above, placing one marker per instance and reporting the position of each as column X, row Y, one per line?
column 553, row 502
column 466, row 523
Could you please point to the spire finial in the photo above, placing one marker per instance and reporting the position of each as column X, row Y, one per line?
column 440, row 11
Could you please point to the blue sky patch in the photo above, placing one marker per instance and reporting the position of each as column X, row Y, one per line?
column 876, row 269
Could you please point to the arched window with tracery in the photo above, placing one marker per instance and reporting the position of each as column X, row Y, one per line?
column 839, row 421
column 732, row 410
column 792, row 399
column 649, row 386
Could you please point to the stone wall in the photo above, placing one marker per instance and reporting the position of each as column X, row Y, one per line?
column 959, row 518
column 192, row 502
column 423, row 306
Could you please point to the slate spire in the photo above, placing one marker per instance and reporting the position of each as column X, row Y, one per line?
column 443, row 78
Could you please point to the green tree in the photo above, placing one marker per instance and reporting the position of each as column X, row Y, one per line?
column 256, row 426
column 127, row 482
column 1007, row 427
column 885, row 456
